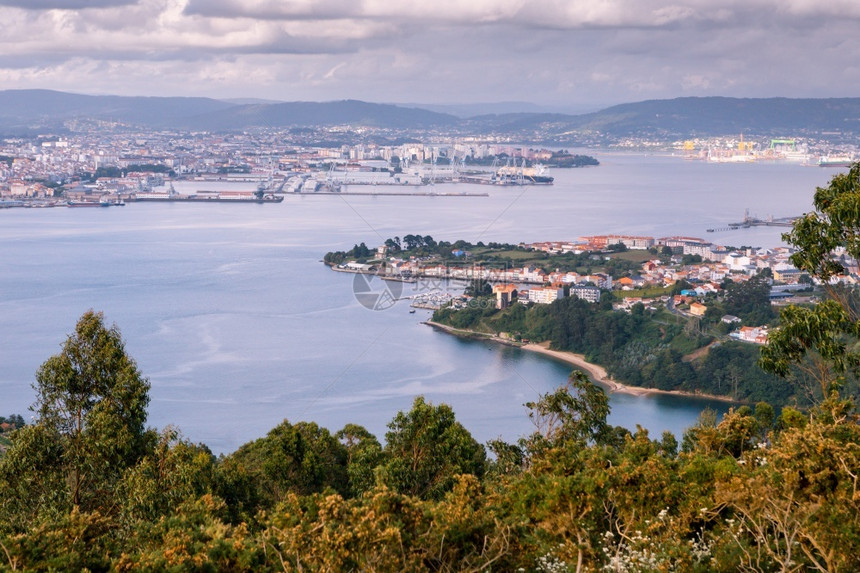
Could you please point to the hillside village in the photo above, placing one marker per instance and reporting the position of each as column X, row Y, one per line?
column 683, row 274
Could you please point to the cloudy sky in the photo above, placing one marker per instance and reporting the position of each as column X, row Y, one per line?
column 560, row 53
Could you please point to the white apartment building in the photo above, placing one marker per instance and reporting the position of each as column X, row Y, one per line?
column 591, row 294
column 545, row 295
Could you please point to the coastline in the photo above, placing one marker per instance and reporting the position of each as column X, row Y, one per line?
column 595, row 372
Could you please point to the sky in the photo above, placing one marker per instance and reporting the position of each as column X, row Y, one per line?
column 568, row 55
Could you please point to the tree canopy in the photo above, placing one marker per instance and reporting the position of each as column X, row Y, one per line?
column 816, row 346
column 426, row 447
column 89, row 427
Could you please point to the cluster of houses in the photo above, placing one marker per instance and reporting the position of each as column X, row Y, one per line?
column 506, row 293
column 21, row 189
column 716, row 264
column 753, row 334
column 529, row 274
column 26, row 164
column 529, row 284
column 547, row 288
column 103, row 186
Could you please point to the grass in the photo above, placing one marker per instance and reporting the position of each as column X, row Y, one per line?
column 649, row 292
column 635, row 256
column 521, row 258
column 517, row 255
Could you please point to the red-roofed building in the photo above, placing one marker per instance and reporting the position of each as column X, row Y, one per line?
column 504, row 295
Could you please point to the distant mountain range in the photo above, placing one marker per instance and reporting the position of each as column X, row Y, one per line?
column 307, row 114
column 37, row 111
column 724, row 115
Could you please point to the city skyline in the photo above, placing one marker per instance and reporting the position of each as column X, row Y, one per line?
column 566, row 56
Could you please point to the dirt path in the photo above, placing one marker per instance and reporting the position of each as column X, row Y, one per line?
column 699, row 352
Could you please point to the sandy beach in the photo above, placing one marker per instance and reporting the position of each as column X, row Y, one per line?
column 595, row 372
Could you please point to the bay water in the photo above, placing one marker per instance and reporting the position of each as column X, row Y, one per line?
column 229, row 312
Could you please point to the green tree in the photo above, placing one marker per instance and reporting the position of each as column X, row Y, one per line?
column 173, row 473
column 750, row 301
column 426, row 447
column 679, row 286
column 575, row 412
column 817, row 347
column 300, row 458
column 795, row 501
column 91, row 411
column 478, row 287
column 194, row 537
column 364, row 454
column 412, row 241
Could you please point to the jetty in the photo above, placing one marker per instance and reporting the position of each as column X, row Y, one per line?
column 753, row 221
column 394, row 193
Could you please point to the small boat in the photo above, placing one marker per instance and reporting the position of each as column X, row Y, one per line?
column 411, row 311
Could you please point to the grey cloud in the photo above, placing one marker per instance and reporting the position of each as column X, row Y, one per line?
column 65, row 4
column 284, row 46
column 532, row 51
column 274, row 9
column 559, row 14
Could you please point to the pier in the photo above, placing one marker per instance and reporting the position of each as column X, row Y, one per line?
column 752, row 221
column 394, row 194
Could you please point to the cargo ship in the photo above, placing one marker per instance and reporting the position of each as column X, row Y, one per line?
column 522, row 175
column 171, row 195
column 81, row 204
column 835, row 161
column 103, row 202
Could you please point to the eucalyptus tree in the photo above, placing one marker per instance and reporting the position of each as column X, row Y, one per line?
column 90, row 408
column 426, row 448
column 821, row 342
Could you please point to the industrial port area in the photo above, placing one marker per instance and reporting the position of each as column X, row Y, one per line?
column 112, row 168
column 103, row 172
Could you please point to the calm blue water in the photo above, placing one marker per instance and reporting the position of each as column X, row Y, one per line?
column 236, row 323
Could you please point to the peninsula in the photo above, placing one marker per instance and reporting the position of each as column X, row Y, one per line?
column 674, row 315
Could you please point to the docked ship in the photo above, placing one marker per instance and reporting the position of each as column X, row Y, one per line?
column 259, row 196
column 835, row 161
column 103, row 202
column 79, row 204
column 521, row 175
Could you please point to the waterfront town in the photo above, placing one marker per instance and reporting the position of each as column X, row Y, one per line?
column 110, row 162
column 700, row 267
column 105, row 165
column 48, row 171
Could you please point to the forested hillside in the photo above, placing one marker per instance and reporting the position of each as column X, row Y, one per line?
column 89, row 487
column 640, row 348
